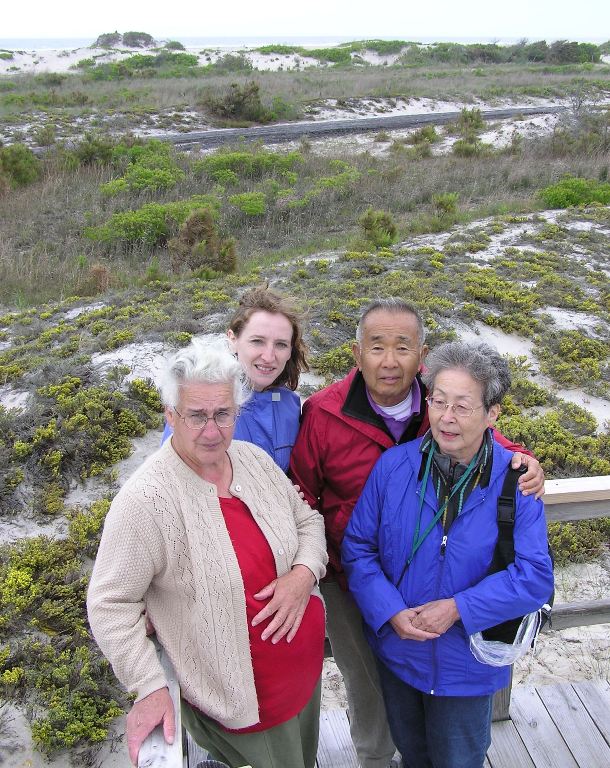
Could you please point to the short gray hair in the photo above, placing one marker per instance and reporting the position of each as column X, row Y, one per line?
column 395, row 306
column 206, row 360
column 479, row 360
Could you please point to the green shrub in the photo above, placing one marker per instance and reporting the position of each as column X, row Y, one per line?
column 137, row 40
column 470, row 121
column 425, row 135
column 174, row 45
column 45, row 135
column 446, row 202
column 200, row 245
column 151, row 224
column 94, row 149
column 560, row 452
column 19, row 164
column 280, row 50
column 580, row 541
column 486, row 286
column 232, row 62
column 139, row 178
column 575, row 191
column 250, row 203
column 238, row 103
column 379, row 227
column 334, row 363
column 469, row 147
column 331, row 55
column 254, row 163
column 108, row 40
column 572, row 358
column 225, row 176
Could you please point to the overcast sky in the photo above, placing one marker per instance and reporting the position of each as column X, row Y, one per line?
column 357, row 19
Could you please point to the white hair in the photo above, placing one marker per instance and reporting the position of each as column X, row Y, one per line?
column 206, row 360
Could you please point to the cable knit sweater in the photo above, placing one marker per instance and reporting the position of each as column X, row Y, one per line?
column 165, row 548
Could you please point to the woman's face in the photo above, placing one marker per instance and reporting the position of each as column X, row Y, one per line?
column 263, row 347
column 459, row 437
column 204, row 447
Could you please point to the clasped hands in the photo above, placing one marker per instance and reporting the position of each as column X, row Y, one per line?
column 427, row 621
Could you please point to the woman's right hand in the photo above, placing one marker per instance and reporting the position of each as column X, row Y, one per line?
column 401, row 624
column 145, row 715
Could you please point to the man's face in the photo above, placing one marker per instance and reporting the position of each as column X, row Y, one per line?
column 389, row 355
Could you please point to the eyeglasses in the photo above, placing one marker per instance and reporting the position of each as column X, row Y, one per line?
column 461, row 411
column 222, row 419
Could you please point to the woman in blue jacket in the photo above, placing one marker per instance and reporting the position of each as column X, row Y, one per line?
column 417, row 553
column 265, row 334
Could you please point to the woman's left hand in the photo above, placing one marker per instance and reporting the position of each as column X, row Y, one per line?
column 436, row 616
column 289, row 595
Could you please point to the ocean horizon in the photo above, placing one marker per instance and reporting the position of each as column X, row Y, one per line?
column 68, row 43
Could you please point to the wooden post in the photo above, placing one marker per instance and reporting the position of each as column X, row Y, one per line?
column 501, row 701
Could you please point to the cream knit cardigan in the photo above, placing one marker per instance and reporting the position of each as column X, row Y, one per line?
column 165, row 548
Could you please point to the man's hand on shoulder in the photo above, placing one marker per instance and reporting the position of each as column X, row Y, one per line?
column 532, row 481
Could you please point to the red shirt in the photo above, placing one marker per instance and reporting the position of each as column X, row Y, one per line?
column 285, row 674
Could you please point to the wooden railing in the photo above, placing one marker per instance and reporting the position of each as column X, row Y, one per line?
column 582, row 498
column 575, row 498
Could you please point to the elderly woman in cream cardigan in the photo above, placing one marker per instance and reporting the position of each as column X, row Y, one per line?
column 214, row 543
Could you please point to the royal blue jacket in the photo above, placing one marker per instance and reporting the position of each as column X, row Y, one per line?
column 269, row 419
column 378, row 541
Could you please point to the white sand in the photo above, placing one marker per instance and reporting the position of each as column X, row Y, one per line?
column 145, row 360
column 58, row 60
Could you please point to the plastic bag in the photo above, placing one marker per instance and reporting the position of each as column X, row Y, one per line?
column 498, row 654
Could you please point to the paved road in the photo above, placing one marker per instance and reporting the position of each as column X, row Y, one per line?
column 277, row 134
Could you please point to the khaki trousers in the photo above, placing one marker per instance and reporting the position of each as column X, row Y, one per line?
column 368, row 722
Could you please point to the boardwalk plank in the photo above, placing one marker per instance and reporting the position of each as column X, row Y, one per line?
column 538, row 732
column 575, row 724
column 595, row 695
column 507, row 749
column 335, row 749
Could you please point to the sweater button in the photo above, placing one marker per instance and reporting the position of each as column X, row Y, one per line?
column 280, row 551
column 238, row 488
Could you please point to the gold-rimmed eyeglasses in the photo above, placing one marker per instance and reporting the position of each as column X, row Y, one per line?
column 459, row 410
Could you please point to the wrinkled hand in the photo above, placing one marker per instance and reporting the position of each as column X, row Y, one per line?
column 531, row 481
column 402, row 623
column 289, row 595
column 436, row 616
column 145, row 716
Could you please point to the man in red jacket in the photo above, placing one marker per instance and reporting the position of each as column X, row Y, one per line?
column 345, row 428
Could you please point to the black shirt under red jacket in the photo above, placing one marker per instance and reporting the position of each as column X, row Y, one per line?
column 340, row 439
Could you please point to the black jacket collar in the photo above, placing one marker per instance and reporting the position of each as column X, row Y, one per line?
column 357, row 406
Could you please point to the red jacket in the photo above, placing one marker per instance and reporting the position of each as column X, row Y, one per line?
column 340, row 439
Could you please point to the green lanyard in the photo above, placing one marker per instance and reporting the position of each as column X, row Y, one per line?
column 417, row 539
